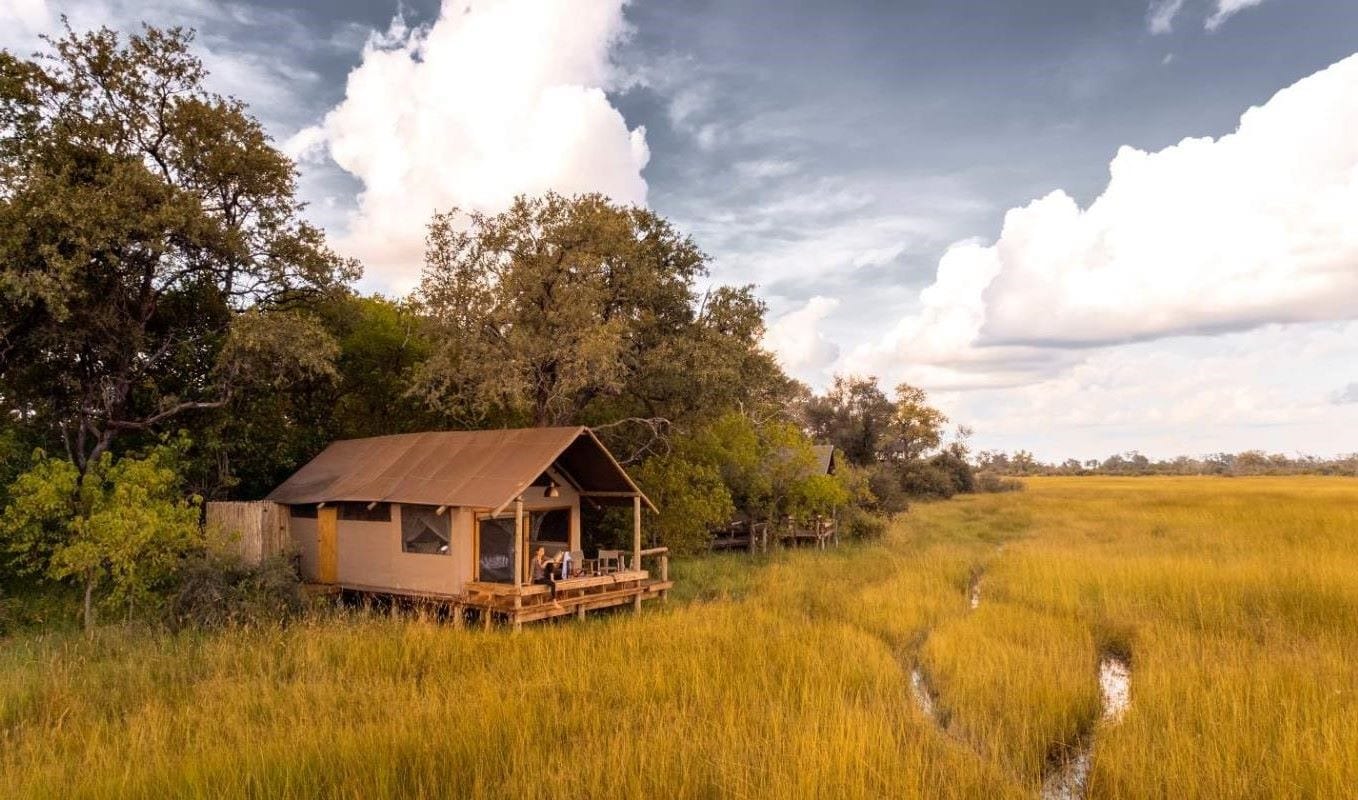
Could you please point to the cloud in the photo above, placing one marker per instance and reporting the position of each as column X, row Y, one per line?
column 798, row 341
column 1205, row 236
column 496, row 98
column 1160, row 16
column 1161, row 13
column 1268, row 388
column 1349, row 394
column 1226, row 9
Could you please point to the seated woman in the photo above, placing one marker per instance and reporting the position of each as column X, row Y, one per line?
column 546, row 570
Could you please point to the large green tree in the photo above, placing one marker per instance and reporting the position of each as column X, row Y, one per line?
column 854, row 415
column 578, row 310
column 140, row 217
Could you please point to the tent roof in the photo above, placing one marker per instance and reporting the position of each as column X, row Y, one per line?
column 825, row 458
column 475, row 469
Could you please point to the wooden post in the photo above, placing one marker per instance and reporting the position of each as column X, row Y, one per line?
column 636, row 546
column 636, row 532
column 664, row 575
column 521, row 561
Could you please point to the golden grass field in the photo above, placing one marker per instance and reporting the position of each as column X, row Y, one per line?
column 1235, row 600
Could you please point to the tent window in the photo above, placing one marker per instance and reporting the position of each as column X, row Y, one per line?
column 303, row 512
column 423, row 530
column 553, row 525
column 359, row 512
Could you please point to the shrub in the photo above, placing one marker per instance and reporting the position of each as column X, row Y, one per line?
column 926, row 479
column 957, row 469
column 859, row 524
column 994, row 482
column 217, row 589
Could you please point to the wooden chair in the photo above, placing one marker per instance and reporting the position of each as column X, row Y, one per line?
column 610, row 561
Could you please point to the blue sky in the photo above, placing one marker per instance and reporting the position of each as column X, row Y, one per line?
column 994, row 200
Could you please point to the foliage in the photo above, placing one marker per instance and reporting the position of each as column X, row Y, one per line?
column 573, row 309
column 692, row 499
column 539, row 306
column 853, row 415
column 139, row 215
column 266, row 435
column 121, row 528
column 215, row 588
column 1249, row 462
column 859, row 524
column 991, row 482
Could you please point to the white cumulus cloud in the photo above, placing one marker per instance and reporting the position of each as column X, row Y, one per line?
column 1259, row 226
column 494, row 99
column 799, row 343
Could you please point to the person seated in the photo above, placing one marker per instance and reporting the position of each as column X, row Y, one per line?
column 546, row 570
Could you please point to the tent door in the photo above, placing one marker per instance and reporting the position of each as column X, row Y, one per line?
column 327, row 545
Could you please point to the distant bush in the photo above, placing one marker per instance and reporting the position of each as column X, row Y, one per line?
column 858, row 524
column 994, row 482
column 926, row 479
column 217, row 589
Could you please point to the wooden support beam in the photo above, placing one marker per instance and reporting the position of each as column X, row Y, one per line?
column 636, row 532
column 610, row 494
column 520, row 543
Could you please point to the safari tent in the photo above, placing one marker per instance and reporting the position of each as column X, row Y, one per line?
column 455, row 516
column 826, row 459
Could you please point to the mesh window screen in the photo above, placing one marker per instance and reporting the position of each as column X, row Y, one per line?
column 423, row 530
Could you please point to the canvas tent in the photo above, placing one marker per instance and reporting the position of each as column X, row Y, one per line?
column 428, row 513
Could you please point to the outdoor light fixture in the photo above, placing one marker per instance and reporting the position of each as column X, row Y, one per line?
column 552, row 489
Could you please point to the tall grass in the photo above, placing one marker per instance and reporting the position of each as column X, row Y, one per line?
column 785, row 675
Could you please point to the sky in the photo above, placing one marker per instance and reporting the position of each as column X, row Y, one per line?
column 1084, row 226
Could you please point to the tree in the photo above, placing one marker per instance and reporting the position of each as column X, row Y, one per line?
column 263, row 436
column 550, row 305
column 691, row 497
column 853, row 415
column 130, row 527
column 140, row 217
column 914, row 427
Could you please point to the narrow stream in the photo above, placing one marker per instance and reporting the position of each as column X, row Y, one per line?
column 924, row 695
column 1069, row 779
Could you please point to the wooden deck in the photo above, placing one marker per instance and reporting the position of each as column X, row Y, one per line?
column 515, row 605
column 574, row 597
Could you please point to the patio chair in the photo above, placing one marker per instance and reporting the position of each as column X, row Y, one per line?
column 610, row 561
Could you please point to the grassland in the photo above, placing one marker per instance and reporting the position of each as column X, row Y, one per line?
column 1235, row 601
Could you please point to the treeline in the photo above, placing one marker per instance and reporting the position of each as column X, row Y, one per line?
column 1249, row 462
column 172, row 331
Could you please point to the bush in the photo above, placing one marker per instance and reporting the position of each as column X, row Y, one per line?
column 885, row 486
column 859, row 524
column 957, row 469
column 217, row 589
column 926, row 479
column 994, row 482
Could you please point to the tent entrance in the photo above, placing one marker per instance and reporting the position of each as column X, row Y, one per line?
column 495, row 549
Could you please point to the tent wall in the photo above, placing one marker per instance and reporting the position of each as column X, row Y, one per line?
column 370, row 555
